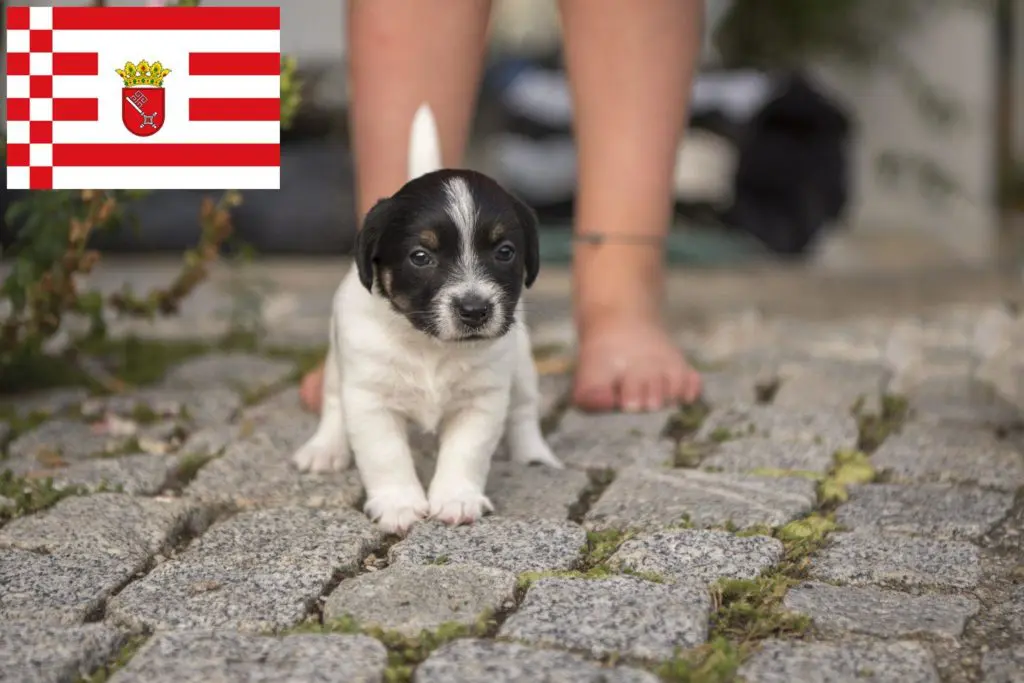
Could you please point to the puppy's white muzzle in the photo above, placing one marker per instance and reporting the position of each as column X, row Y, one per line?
column 470, row 311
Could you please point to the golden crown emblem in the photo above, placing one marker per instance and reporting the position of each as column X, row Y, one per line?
column 143, row 73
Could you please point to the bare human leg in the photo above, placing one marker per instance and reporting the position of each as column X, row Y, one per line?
column 630, row 67
column 402, row 54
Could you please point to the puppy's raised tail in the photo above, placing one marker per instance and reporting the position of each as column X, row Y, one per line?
column 424, row 143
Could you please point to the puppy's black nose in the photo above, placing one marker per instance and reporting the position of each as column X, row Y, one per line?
column 473, row 310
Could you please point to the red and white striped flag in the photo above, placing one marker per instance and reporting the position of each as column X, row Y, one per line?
column 143, row 98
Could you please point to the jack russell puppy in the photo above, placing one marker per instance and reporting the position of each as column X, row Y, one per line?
column 428, row 328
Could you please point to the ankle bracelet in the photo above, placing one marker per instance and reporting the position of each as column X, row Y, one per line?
column 599, row 238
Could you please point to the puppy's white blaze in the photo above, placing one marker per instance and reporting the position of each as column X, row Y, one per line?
column 424, row 143
column 469, row 277
column 462, row 210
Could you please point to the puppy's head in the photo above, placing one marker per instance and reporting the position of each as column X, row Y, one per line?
column 451, row 251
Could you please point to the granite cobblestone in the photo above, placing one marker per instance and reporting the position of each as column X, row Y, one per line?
column 257, row 571
column 860, row 559
column 623, row 615
column 515, row 545
column 211, row 655
column 60, row 566
column 837, row 610
column 652, row 499
column 927, row 452
column 41, row 653
column 935, row 510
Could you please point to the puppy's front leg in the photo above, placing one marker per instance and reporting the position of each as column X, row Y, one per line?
column 379, row 438
column 468, row 440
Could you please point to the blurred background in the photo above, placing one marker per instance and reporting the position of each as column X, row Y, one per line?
column 847, row 133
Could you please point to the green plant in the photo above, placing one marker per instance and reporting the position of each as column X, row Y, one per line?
column 51, row 253
column 30, row 495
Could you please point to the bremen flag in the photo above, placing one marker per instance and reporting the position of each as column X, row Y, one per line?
column 154, row 98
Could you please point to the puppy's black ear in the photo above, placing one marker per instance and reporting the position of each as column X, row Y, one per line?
column 528, row 223
column 368, row 239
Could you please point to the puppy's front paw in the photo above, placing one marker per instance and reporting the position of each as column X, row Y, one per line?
column 395, row 510
column 322, row 456
column 458, row 506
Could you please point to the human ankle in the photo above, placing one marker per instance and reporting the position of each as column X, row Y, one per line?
column 623, row 290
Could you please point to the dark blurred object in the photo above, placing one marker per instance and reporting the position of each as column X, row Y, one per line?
column 792, row 178
column 778, row 143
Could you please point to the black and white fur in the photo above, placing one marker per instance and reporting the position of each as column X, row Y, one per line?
column 428, row 328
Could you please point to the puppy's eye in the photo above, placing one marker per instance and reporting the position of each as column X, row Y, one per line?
column 505, row 253
column 420, row 258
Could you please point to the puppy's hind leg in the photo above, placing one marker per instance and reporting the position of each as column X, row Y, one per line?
column 526, row 443
column 328, row 449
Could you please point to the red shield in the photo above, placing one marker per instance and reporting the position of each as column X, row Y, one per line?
column 142, row 110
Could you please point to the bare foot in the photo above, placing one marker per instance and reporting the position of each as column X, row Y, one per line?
column 631, row 364
column 311, row 390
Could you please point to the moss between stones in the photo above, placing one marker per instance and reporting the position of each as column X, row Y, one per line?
column 756, row 530
column 783, row 473
column 687, row 421
column 597, row 552
column 750, row 610
column 188, row 467
column 690, row 455
column 849, row 467
column 721, row 435
column 124, row 655
column 405, row 653
column 682, row 426
column 31, row 495
column 872, row 428
column 716, row 662
column 601, row 545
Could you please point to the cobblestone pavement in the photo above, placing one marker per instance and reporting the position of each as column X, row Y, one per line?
column 848, row 508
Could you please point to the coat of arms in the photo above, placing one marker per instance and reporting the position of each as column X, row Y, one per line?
column 142, row 106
